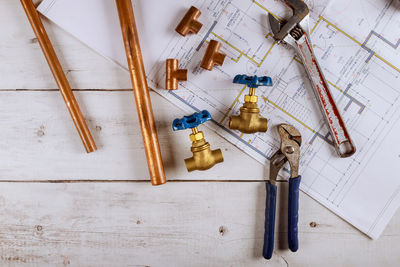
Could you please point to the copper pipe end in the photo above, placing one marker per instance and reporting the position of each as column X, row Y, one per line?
column 213, row 56
column 141, row 91
column 189, row 23
column 174, row 74
column 59, row 76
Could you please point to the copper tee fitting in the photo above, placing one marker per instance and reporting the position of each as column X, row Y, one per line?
column 189, row 23
column 174, row 74
column 213, row 56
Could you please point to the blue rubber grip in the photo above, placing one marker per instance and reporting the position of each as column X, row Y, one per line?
column 269, row 227
column 293, row 216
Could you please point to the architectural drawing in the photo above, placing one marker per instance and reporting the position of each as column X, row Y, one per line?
column 359, row 63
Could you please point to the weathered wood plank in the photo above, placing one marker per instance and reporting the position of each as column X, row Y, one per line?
column 42, row 134
column 38, row 140
column 179, row 224
column 23, row 66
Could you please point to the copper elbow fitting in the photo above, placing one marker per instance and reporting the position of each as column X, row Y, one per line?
column 203, row 157
column 174, row 74
column 213, row 56
column 189, row 23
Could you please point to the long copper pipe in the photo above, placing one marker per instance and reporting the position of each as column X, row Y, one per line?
column 59, row 75
column 141, row 91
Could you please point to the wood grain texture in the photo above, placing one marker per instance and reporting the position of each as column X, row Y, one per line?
column 38, row 140
column 105, row 222
column 179, row 224
column 20, row 56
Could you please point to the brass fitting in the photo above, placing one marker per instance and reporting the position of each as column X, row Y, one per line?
column 203, row 157
column 174, row 74
column 213, row 56
column 189, row 23
column 249, row 120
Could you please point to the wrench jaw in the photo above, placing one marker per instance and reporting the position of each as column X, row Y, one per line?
column 275, row 25
column 282, row 29
column 294, row 33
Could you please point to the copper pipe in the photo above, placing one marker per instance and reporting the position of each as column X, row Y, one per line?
column 141, row 91
column 59, row 75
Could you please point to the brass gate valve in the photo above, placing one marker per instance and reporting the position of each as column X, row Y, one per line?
column 249, row 120
column 203, row 157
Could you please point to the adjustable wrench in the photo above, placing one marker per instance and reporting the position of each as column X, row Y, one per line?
column 295, row 32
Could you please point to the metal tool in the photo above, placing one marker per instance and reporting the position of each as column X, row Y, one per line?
column 141, row 91
column 59, row 76
column 203, row 157
column 249, row 120
column 295, row 32
column 289, row 151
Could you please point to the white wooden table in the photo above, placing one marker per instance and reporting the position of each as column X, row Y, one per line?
column 60, row 206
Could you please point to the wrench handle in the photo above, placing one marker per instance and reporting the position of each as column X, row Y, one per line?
column 343, row 144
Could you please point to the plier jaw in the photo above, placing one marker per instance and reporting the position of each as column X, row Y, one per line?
column 290, row 147
column 289, row 151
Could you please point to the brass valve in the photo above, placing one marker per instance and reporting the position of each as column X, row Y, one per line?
column 203, row 157
column 249, row 120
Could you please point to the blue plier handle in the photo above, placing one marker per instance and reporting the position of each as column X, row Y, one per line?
column 289, row 151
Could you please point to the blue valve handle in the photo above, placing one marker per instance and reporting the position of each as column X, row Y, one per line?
column 269, row 226
column 192, row 121
column 253, row 81
column 293, row 216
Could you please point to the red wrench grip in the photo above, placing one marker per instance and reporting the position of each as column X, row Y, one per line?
column 341, row 138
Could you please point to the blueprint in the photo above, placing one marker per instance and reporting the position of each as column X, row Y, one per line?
column 357, row 45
